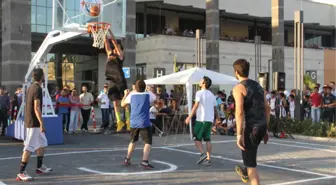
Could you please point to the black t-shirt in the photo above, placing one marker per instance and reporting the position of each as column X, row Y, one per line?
column 34, row 92
column 254, row 103
column 114, row 72
column 329, row 99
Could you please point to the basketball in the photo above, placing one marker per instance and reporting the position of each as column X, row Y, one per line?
column 94, row 11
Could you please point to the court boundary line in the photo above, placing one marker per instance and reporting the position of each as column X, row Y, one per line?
column 305, row 143
column 306, row 180
column 305, row 147
column 172, row 168
column 112, row 150
column 322, row 176
column 174, row 148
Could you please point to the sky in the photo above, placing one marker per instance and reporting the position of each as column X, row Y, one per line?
column 332, row 2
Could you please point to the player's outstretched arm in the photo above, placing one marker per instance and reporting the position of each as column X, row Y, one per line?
column 116, row 46
column 107, row 47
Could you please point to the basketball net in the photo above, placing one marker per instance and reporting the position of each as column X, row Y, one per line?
column 99, row 31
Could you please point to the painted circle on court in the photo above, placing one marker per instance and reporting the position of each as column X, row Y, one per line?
column 172, row 167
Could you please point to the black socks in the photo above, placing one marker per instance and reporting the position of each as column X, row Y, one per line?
column 23, row 166
column 39, row 161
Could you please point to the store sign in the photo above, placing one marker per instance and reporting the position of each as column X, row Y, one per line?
column 127, row 72
column 158, row 72
column 312, row 74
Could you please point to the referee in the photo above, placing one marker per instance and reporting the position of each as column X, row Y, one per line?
column 252, row 106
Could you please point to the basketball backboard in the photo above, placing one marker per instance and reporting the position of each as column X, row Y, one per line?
column 69, row 15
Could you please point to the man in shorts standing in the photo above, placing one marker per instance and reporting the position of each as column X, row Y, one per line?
column 35, row 137
column 251, row 107
column 139, row 102
column 205, row 107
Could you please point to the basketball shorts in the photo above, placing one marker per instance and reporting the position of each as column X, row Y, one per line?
column 116, row 92
column 146, row 134
column 35, row 139
column 202, row 131
column 252, row 138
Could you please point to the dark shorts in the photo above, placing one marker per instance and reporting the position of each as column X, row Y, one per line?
column 116, row 92
column 202, row 131
column 252, row 137
column 146, row 134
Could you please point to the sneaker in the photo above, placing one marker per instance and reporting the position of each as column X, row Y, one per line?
column 24, row 177
column 43, row 170
column 127, row 162
column 128, row 125
column 202, row 158
column 240, row 172
column 146, row 165
column 207, row 162
column 120, row 126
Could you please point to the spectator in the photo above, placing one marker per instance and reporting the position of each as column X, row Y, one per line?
column 14, row 103
column 333, row 88
column 328, row 104
column 291, row 106
column 86, row 100
column 268, row 95
column 316, row 102
column 306, row 107
column 173, row 106
column 231, row 99
column 153, row 116
column 273, row 102
column 220, row 105
column 224, row 96
column 4, row 107
column 104, row 101
column 284, row 108
column 63, row 104
column 74, row 111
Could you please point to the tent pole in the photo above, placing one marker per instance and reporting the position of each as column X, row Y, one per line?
column 189, row 99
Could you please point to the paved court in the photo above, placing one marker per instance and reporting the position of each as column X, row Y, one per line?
column 97, row 159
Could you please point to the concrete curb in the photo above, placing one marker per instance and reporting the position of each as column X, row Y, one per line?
column 312, row 138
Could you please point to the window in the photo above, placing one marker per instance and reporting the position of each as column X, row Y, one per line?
column 41, row 2
column 49, row 16
column 70, row 5
column 33, row 15
column 41, row 15
column 50, row 3
column 41, row 29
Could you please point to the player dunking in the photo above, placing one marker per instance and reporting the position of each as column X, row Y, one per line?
column 35, row 138
column 251, row 104
column 115, row 75
column 205, row 108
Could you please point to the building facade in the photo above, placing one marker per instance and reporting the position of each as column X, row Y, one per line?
column 163, row 29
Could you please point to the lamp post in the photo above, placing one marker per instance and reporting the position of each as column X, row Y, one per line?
column 270, row 74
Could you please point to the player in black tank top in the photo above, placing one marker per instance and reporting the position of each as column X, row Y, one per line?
column 251, row 106
column 115, row 75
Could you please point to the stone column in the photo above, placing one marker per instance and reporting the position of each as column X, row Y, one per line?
column 130, row 41
column 16, row 42
column 212, row 35
column 278, row 36
column 58, row 69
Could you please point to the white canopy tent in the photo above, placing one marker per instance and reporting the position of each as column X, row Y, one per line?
column 190, row 77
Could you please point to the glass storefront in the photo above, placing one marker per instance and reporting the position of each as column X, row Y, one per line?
column 77, row 70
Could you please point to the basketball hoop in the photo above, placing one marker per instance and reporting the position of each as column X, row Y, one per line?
column 99, row 31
